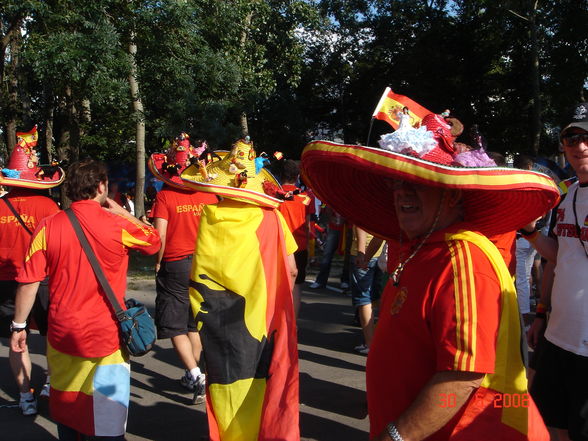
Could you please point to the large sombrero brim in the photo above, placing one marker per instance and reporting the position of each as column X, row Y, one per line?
column 155, row 165
column 220, row 185
column 357, row 182
column 42, row 182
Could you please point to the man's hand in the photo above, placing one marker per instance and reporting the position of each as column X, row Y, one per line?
column 18, row 341
column 536, row 331
column 361, row 261
column 530, row 227
column 114, row 208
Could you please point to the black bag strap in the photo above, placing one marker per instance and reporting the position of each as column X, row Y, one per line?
column 120, row 313
column 5, row 199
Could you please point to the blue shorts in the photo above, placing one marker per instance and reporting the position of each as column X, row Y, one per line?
column 366, row 284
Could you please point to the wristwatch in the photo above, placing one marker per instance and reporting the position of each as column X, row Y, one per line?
column 18, row 328
column 393, row 432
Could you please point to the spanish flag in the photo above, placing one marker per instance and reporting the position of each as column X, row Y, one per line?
column 90, row 395
column 28, row 139
column 391, row 103
column 241, row 296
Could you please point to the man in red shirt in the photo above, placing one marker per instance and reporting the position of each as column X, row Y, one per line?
column 26, row 197
column 296, row 212
column 90, row 374
column 445, row 362
column 176, row 213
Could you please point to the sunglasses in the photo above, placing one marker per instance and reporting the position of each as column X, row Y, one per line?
column 574, row 139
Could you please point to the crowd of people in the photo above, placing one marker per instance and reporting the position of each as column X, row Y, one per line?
column 441, row 240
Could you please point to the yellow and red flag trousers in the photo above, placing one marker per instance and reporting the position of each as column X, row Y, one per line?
column 241, row 295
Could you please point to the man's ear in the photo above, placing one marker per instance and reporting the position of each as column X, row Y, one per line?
column 454, row 197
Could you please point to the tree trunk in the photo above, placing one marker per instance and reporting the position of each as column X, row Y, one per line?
column 140, row 128
column 535, row 80
column 242, row 41
column 244, row 125
column 12, row 120
column 49, row 135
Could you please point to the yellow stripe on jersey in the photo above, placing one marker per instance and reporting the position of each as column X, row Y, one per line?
column 130, row 241
column 39, row 243
column 465, row 306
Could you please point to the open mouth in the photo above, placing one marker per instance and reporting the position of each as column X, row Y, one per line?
column 408, row 208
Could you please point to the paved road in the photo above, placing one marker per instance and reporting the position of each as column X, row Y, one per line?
column 332, row 381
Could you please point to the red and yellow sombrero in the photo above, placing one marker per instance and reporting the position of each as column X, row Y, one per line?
column 357, row 182
column 236, row 176
column 24, row 170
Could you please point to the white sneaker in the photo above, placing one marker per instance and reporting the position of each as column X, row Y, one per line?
column 45, row 390
column 187, row 381
column 200, row 390
column 28, row 403
column 344, row 285
column 315, row 285
column 362, row 349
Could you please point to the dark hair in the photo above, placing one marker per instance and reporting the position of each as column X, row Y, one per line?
column 498, row 158
column 523, row 162
column 83, row 178
column 290, row 171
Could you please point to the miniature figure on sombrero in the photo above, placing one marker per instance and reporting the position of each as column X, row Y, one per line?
column 24, row 170
column 237, row 175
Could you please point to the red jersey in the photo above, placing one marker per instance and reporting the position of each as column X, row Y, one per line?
column 295, row 212
column 462, row 316
column 14, row 239
column 182, row 211
column 81, row 321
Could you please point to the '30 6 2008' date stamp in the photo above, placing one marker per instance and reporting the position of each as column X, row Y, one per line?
column 505, row 400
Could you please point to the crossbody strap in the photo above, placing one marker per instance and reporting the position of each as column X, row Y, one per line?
column 120, row 314
column 5, row 199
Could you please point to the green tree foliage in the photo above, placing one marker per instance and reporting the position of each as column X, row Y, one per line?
column 297, row 69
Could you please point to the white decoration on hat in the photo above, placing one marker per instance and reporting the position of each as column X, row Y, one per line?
column 580, row 112
column 409, row 141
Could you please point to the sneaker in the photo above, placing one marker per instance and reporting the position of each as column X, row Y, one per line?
column 199, row 390
column 188, row 381
column 45, row 390
column 344, row 285
column 362, row 349
column 315, row 285
column 28, row 404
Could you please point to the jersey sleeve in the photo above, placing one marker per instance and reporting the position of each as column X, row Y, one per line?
column 140, row 237
column 465, row 312
column 289, row 238
column 35, row 264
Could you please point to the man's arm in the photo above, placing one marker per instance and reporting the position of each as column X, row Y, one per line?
column 540, row 323
column 115, row 208
column 293, row 268
column 160, row 225
column 429, row 412
column 545, row 245
column 23, row 303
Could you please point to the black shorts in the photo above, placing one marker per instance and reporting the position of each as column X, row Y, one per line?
column 560, row 389
column 301, row 258
column 173, row 314
column 38, row 313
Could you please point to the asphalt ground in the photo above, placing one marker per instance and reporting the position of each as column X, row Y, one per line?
column 332, row 378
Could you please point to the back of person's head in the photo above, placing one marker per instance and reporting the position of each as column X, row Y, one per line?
column 83, row 178
column 290, row 171
column 523, row 162
column 498, row 158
